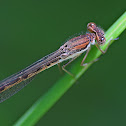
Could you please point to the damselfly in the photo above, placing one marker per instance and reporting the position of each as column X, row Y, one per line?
column 70, row 50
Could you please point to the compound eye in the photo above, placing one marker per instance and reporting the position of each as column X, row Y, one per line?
column 91, row 24
column 102, row 39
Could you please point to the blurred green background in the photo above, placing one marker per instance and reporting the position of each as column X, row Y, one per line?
column 31, row 29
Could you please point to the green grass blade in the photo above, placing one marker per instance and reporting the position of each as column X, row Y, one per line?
column 44, row 103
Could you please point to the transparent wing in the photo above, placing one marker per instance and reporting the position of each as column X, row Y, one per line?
column 11, row 91
column 9, row 86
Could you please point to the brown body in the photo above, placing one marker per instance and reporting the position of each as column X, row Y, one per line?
column 72, row 48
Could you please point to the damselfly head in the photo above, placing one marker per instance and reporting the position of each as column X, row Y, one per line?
column 99, row 33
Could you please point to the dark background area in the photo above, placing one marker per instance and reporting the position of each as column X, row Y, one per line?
column 31, row 29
